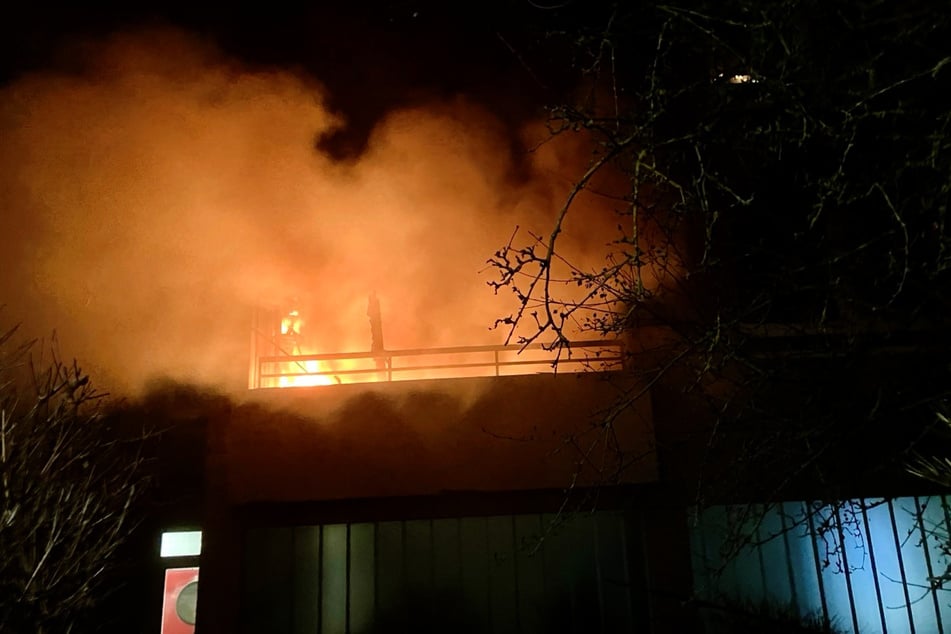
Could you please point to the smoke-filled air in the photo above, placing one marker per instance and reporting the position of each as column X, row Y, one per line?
column 156, row 192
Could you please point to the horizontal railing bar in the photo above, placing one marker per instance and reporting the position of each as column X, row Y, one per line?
column 420, row 368
column 501, row 364
column 435, row 351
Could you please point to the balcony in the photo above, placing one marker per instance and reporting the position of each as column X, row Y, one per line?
column 310, row 370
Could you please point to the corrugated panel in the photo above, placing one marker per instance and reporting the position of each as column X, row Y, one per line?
column 306, row 545
column 864, row 565
column 474, row 574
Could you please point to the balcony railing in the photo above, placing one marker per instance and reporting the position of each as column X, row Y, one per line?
column 432, row 363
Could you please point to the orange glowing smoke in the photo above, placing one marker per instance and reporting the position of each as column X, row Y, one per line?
column 151, row 201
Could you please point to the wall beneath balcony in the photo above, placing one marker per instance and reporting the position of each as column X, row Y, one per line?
column 427, row 437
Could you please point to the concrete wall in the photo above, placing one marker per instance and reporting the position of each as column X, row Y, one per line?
column 428, row 437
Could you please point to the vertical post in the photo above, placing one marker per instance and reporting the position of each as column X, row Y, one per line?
column 222, row 549
column 376, row 336
column 665, row 539
column 920, row 519
column 813, row 537
column 348, row 583
column 254, row 370
column 845, row 565
column 871, row 558
column 789, row 559
column 901, row 567
column 320, row 579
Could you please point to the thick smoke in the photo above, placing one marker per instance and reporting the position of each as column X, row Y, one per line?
column 157, row 192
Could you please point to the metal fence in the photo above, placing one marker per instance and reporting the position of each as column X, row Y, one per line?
column 860, row 565
column 432, row 363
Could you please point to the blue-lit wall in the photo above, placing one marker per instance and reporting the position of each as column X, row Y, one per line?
column 877, row 582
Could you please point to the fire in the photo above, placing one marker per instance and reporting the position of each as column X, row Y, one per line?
column 291, row 324
column 288, row 358
column 304, row 374
column 289, row 350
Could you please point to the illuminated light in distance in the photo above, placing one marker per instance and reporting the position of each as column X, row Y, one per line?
column 181, row 544
column 738, row 78
column 743, row 79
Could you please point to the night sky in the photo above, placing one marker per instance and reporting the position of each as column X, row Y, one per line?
column 371, row 56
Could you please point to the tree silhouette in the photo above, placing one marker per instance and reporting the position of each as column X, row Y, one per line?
column 780, row 176
column 69, row 483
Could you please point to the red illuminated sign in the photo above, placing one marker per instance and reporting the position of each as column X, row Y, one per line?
column 181, row 599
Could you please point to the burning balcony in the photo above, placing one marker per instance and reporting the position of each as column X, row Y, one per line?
column 283, row 355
